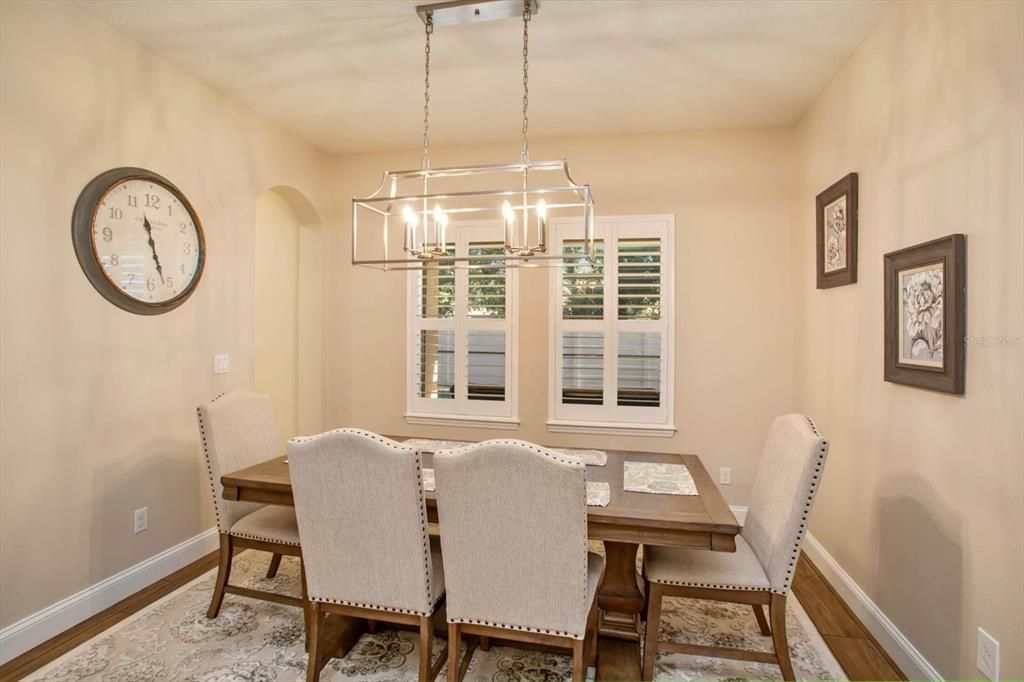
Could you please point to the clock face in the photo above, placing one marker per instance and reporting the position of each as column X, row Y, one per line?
column 146, row 241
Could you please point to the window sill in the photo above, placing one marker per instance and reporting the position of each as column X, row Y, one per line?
column 473, row 422
column 613, row 429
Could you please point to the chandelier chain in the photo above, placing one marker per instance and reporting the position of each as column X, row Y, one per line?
column 429, row 24
column 527, row 14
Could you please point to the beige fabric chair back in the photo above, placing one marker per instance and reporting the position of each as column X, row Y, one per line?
column 780, row 504
column 236, row 429
column 514, row 537
column 362, row 521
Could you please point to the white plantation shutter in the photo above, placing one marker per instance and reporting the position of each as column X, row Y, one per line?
column 612, row 346
column 460, row 331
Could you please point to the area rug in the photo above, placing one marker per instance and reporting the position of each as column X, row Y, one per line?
column 257, row 641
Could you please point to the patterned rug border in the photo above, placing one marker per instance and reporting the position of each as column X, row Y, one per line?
column 798, row 610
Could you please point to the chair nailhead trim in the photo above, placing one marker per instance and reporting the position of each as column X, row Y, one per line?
column 574, row 463
column 715, row 586
column 209, row 468
column 373, row 607
column 787, row 583
column 428, row 568
column 521, row 628
column 815, row 480
column 261, row 538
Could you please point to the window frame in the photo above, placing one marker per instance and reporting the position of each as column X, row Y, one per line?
column 610, row 418
column 461, row 411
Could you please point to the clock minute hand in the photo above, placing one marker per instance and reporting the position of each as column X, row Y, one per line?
column 152, row 246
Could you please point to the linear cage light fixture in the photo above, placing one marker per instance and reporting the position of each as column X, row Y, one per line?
column 411, row 230
column 407, row 223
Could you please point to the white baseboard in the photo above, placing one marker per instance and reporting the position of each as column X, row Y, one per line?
column 17, row 638
column 903, row 652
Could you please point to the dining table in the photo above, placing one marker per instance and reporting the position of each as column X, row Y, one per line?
column 701, row 521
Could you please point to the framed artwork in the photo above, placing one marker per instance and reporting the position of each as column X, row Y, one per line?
column 836, row 234
column 925, row 304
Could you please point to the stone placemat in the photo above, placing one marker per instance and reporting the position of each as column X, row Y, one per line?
column 655, row 477
column 599, row 494
column 597, row 458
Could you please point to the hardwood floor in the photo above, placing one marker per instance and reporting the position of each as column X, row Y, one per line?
column 36, row 658
column 853, row 646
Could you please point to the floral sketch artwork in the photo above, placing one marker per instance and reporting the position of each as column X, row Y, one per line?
column 835, row 235
column 921, row 316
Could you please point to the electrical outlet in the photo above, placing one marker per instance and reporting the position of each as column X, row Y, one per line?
column 221, row 363
column 141, row 519
column 988, row 655
column 725, row 475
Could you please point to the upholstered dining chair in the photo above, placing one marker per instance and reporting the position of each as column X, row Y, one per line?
column 237, row 429
column 760, row 571
column 513, row 520
column 363, row 523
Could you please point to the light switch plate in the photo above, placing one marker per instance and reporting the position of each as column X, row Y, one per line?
column 725, row 475
column 221, row 363
column 988, row 655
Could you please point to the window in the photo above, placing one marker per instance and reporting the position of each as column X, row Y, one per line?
column 461, row 339
column 611, row 362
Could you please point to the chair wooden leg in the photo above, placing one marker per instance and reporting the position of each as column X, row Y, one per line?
column 592, row 657
column 426, row 647
column 485, row 643
column 579, row 661
column 777, row 613
column 223, row 573
column 762, row 622
column 307, row 610
column 371, row 627
column 316, row 630
column 651, row 634
column 453, row 652
column 275, row 563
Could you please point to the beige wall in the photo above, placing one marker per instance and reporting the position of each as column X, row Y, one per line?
column 732, row 197
column 276, row 309
column 921, row 502
column 98, row 405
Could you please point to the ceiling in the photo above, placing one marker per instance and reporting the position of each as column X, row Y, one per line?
column 347, row 75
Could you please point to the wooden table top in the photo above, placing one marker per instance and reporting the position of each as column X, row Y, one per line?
column 702, row 520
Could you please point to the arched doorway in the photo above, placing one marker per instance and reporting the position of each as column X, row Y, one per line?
column 287, row 326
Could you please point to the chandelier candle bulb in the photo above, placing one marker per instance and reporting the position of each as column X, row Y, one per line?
column 409, row 216
column 510, row 218
column 526, row 227
column 440, row 226
column 542, row 225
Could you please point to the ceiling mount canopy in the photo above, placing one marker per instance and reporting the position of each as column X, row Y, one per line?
column 473, row 11
column 524, row 196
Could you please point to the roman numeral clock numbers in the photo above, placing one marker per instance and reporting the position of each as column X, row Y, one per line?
column 138, row 240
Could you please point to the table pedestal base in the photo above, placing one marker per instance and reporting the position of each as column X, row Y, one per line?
column 622, row 603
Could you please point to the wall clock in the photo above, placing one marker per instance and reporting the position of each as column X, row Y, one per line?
column 138, row 240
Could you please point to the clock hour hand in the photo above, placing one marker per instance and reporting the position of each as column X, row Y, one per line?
column 152, row 246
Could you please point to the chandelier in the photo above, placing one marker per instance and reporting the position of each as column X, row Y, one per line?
column 407, row 223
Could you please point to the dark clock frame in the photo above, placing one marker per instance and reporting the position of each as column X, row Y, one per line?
column 83, row 221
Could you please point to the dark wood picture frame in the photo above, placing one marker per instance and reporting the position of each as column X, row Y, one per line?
column 847, row 275
column 951, row 252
